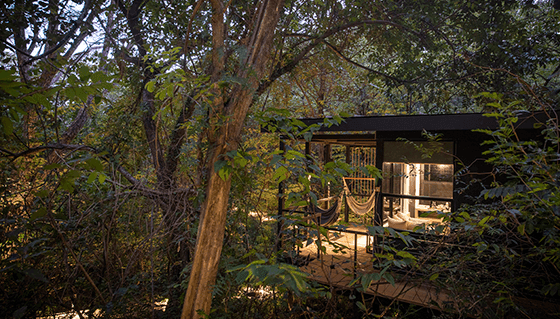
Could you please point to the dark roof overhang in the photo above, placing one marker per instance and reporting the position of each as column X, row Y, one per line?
column 364, row 130
column 438, row 122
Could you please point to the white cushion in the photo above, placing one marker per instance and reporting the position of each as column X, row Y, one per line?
column 403, row 216
column 397, row 223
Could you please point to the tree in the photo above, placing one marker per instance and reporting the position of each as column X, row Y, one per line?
column 224, row 138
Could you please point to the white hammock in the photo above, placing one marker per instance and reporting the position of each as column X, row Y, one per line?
column 357, row 207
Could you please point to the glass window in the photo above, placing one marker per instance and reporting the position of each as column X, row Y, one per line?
column 431, row 180
column 407, row 173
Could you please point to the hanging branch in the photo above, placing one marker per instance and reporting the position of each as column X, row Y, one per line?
column 283, row 67
column 81, row 19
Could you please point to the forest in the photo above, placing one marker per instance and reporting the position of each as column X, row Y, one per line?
column 137, row 182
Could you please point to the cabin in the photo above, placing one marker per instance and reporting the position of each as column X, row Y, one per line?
column 430, row 165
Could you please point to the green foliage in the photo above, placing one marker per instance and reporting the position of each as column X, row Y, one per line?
column 507, row 248
column 282, row 277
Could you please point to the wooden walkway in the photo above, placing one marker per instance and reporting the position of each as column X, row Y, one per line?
column 338, row 267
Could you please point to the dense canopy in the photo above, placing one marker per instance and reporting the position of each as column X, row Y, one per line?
column 132, row 164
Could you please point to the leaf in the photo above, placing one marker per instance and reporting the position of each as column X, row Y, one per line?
column 361, row 306
column 20, row 312
column 481, row 247
column 250, row 253
column 224, row 173
column 405, row 254
column 7, row 125
column 16, row 112
column 291, row 154
column 36, row 274
column 275, row 159
column 298, row 123
column 340, row 171
column 82, row 93
column 529, row 227
column 102, row 177
column 43, row 193
column 70, row 93
column 364, row 170
column 42, row 211
column 52, row 166
column 315, row 168
column 521, row 229
column 300, row 283
column 242, row 276
column 373, row 230
column 324, row 231
column 66, row 185
column 368, row 278
column 92, row 177
column 483, row 221
column 434, row 276
column 389, row 278
column 338, row 119
column 121, row 291
column 98, row 77
column 73, row 174
column 218, row 165
column 313, row 198
column 280, row 174
column 7, row 75
column 241, row 161
column 273, row 271
column 95, row 164
column 42, row 100
column 402, row 236
column 84, row 73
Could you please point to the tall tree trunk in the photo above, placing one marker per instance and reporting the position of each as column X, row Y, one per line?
column 214, row 211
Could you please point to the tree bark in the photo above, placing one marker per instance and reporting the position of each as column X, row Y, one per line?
column 214, row 211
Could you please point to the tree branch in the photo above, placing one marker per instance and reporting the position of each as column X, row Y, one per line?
column 52, row 146
column 132, row 15
column 66, row 37
column 189, row 26
column 283, row 68
column 345, row 58
column 81, row 37
column 15, row 48
column 178, row 136
column 150, row 129
column 68, row 147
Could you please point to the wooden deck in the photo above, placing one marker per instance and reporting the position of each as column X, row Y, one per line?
column 339, row 267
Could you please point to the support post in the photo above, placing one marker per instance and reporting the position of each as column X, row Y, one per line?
column 355, row 254
column 348, row 161
column 327, row 158
column 378, row 218
column 379, row 198
column 280, row 222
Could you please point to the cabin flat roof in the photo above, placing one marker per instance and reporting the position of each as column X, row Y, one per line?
column 437, row 122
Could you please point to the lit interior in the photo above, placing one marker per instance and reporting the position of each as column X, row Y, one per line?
column 416, row 179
